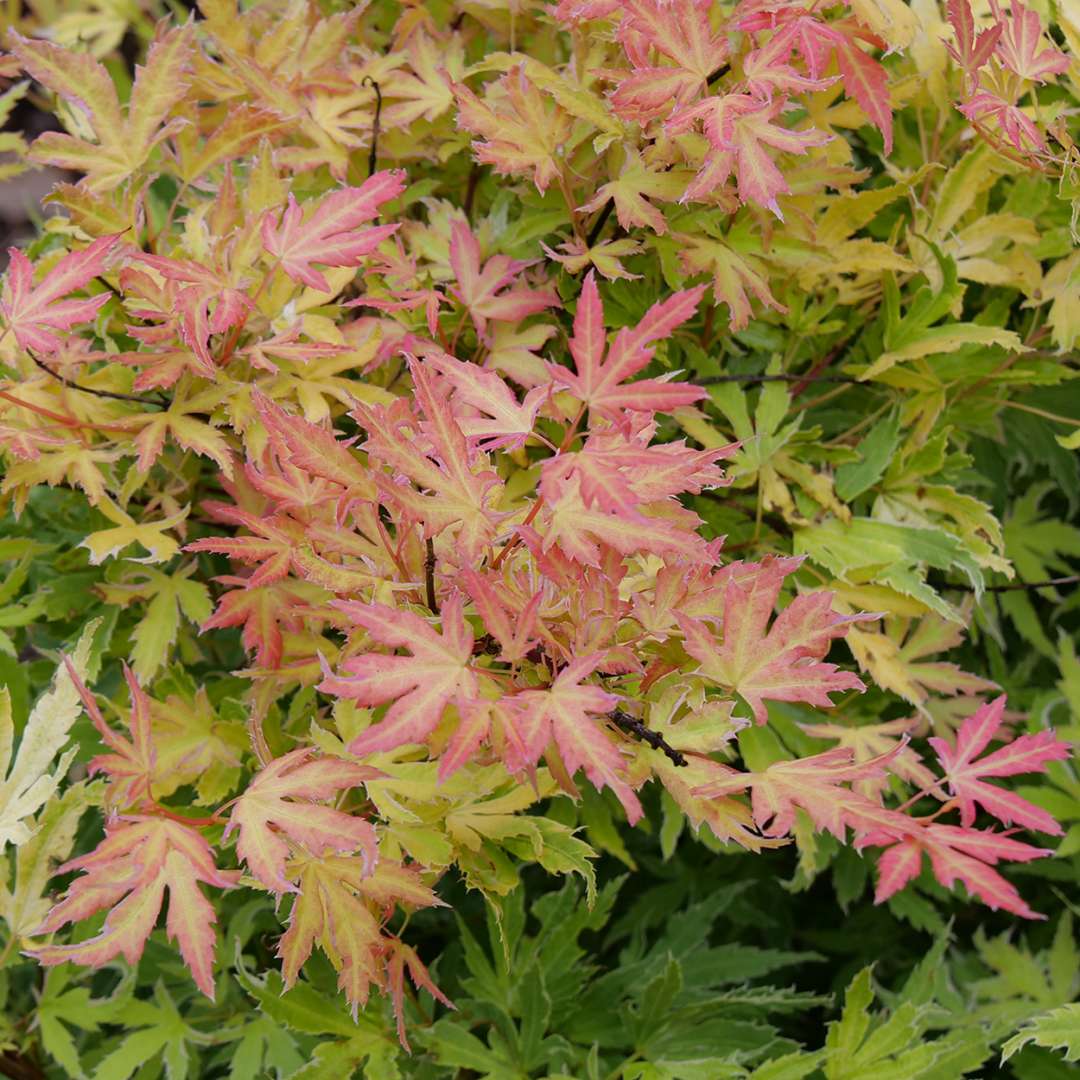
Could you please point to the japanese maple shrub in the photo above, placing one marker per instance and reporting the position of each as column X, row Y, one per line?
column 384, row 336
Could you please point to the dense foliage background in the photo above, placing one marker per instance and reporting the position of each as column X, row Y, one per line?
column 866, row 215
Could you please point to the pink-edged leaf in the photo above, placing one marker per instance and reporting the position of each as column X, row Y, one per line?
column 332, row 234
column 139, row 859
column 494, row 418
column 1019, row 46
column 130, row 766
column 492, row 291
column 566, row 711
column 599, row 381
column 816, row 785
column 867, row 82
column 782, row 662
column 420, row 685
column 741, row 131
column 1025, row 754
column 898, row 866
column 1015, row 125
column 511, row 627
column 971, row 50
column 474, row 726
column 277, row 808
column 33, row 312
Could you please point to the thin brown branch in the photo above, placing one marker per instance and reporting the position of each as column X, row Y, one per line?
column 373, row 153
column 429, row 577
column 160, row 402
column 801, row 380
column 1015, row 586
column 632, row 726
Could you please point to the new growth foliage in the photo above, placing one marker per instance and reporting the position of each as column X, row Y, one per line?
column 442, row 452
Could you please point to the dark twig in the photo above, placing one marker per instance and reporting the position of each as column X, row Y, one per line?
column 63, row 380
column 819, row 366
column 633, row 726
column 718, row 74
column 470, row 191
column 429, row 577
column 1015, row 586
column 18, row 1067
column 712, row 380
column 373, row 153
column 599, row 223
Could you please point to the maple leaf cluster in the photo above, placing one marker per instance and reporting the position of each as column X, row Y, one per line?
column 448, row 491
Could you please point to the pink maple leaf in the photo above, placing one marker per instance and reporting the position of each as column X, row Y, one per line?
column 128, row 873
column 782, row 662
column 332, row 234
column 567, row 712
column 956, row 854
column 492, row 291
column 34, row 312
column 1018, row 46
column 130, row 766
column 599, row 378
column 1015, row 125
column 1025, row 754
column 420, row 685
column 495, row 418
column 971, row 50
column 278, row 804
column 816, row 785
column 740, row 130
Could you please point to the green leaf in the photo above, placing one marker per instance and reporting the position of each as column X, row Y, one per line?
column 1058, row 1029
column 302, row 1008
column 875, row 452
column 28, row 785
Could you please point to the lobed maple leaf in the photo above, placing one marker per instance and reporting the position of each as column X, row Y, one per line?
column 273, row 544
column 1025, row 754
column 1018, row 46
column 869, row 741
column 453, row 489
column 420, row 685
column 513, row 627
column 734, row 276
column 127, row 874
column 262, row 611
column 567, row 713
column 338, row 907
column 426, row 89
column 332, row 233
column 404, row 958
column 521, row 128
column 739, row 128
column 191, row 305
column 816, row 41
column 488, row 291
column 782, row 662
column 507, row 422
column 631, row 192
column 864, row 78
column 598, row 377
column 682, row 32
column 33, row 312
column 619, row 471
column 1014, row 123
column 130, row 766
column 277, row 807
column 971, row 50
column 582, row 532
column 124, row 141
column 956, row 854
column 815, row 785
